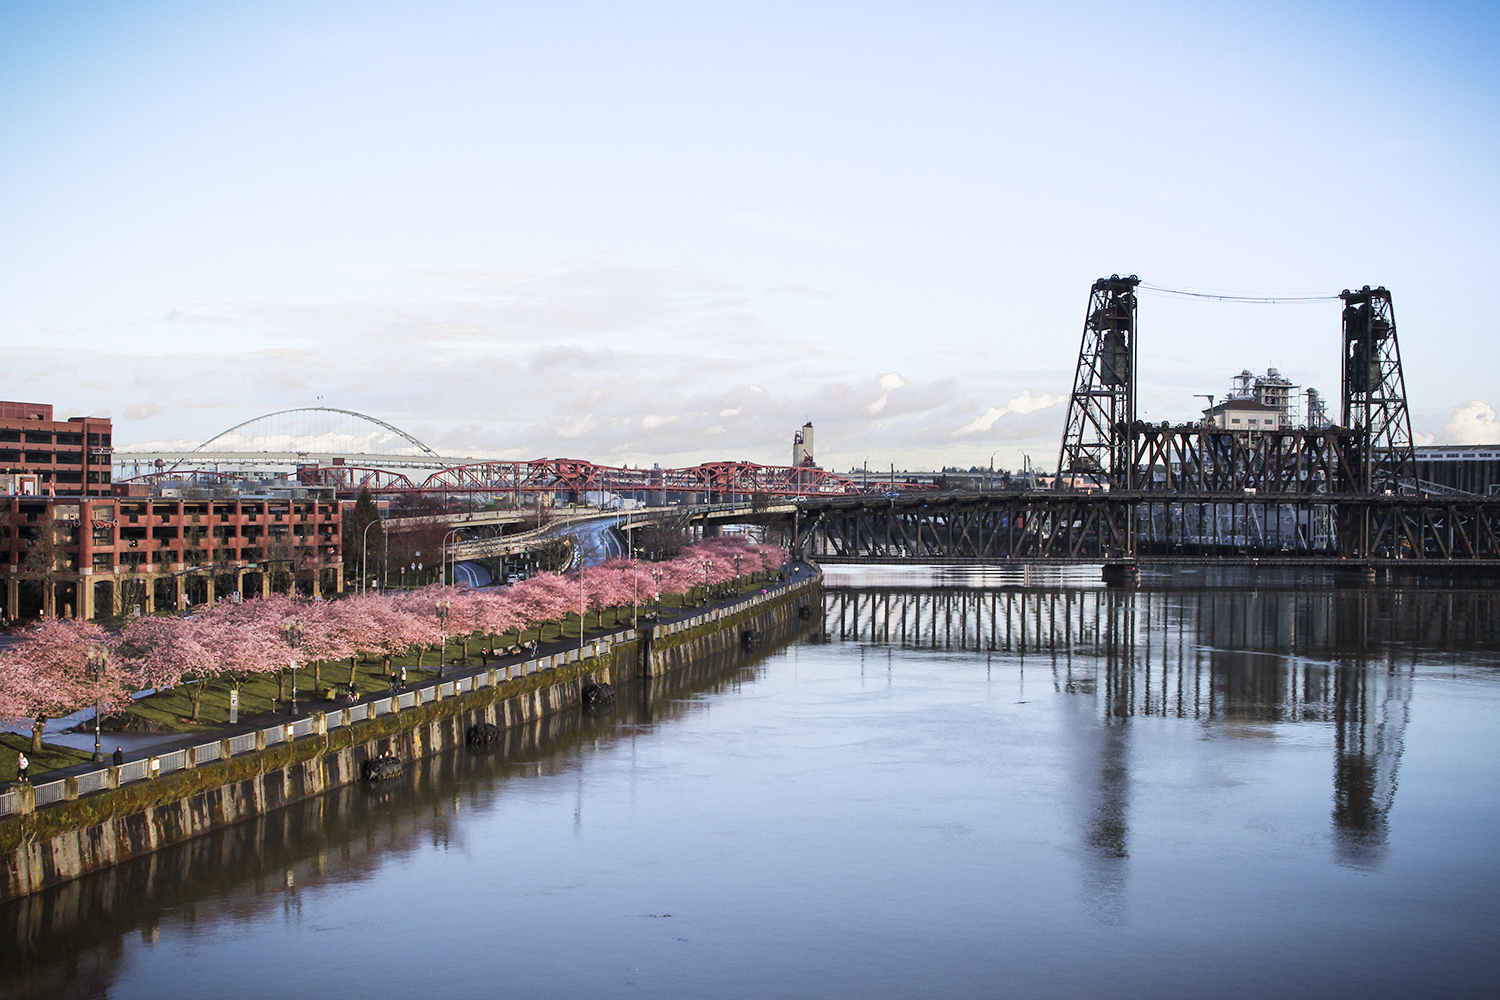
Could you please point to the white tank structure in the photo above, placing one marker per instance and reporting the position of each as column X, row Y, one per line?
column 802, row 447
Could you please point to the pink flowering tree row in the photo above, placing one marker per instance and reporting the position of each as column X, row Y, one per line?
column 59, row 667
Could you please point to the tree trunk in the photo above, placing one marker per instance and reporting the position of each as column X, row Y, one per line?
column 281, row 684
column 197, row 697
column 420, row 650
column 352, row 661
column 317, row 673
column 36, row 734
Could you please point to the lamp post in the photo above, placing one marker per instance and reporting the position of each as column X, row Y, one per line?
column 443, row 607
column 635, row 576
column 706, row 564
column 656, row 575
column 96, row 657
column 737, row 560
column 294, row 639
column 364, row 557
column 443, row 562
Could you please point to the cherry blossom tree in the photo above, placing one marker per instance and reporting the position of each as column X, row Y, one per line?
column 250, row 638
column 163, row 652
column 59, row 667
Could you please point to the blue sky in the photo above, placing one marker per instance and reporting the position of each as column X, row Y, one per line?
column 673, row 232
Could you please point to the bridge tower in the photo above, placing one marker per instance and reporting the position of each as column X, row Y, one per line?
column 1096, row 437
column 1375, row 393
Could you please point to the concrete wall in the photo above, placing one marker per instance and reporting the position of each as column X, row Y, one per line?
column 63, row 842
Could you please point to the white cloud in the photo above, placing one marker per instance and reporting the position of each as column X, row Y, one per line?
column 652, row 421
column 1026, row 402
column 889, row 383
column 577, row 426
column 1474, row 422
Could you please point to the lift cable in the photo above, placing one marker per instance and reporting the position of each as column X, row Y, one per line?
column 1261, row 299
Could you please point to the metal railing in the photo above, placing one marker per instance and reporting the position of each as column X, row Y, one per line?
column 16, row 799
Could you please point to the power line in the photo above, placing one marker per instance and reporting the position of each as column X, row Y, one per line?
column 1260, row 299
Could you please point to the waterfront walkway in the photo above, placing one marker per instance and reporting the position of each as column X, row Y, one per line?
column 143, row 746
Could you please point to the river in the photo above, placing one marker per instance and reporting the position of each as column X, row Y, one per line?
column 953, row 785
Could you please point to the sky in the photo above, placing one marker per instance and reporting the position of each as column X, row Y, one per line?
column 670, row 233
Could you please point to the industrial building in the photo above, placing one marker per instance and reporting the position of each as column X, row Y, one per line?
column 1467, row 468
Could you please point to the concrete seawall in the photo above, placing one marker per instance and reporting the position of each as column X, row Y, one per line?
column 65, row 841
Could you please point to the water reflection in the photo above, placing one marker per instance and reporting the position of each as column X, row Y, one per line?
column 1233, row 658
column 70, row 940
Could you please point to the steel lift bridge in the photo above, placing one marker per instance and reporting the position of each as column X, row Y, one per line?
column 1129, row 493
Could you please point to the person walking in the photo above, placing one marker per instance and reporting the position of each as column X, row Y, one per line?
column 119, row 757
column 403, row 679
column 395, row 678
column 21, row 765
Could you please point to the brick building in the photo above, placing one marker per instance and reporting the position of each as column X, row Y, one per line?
column 101, row 557
column 41, row 455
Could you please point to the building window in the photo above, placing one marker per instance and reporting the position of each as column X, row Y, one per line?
column 39, row 457
column 38, row 437
column 1235, row 420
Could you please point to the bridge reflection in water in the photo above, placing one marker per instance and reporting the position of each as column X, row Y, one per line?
column 1234, row 657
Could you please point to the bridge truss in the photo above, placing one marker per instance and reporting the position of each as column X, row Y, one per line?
column 713, row 480
column 1121, row 526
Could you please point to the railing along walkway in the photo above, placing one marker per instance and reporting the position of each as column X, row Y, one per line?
column 21, row 798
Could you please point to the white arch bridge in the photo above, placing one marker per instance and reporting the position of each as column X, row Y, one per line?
column 286, row 439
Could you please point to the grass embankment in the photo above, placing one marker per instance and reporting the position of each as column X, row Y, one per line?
column 51, row 756
column 170, row 710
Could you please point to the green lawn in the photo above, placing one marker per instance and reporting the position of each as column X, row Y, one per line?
column 51, row 756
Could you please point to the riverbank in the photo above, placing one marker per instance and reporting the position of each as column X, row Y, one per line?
column 58, row 831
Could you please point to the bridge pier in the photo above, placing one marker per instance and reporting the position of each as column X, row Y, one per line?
column 1122, row 574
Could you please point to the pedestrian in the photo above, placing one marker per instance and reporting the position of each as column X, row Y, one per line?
column 403, row 679
column 395, row 678
column 119, row 756
column 21, row 765
column 352, row 694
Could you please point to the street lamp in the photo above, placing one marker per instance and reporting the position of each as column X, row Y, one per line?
column 96, row 657
column 443, row 562
column 364, row 558
column 656, row 572
column 706, row 564
column 737, row 560
column 293, row 640
column 443, row 607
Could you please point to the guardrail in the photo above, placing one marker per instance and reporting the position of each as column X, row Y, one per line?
column 28, row 798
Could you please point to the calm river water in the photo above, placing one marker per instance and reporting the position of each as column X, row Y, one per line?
column 952, row 785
